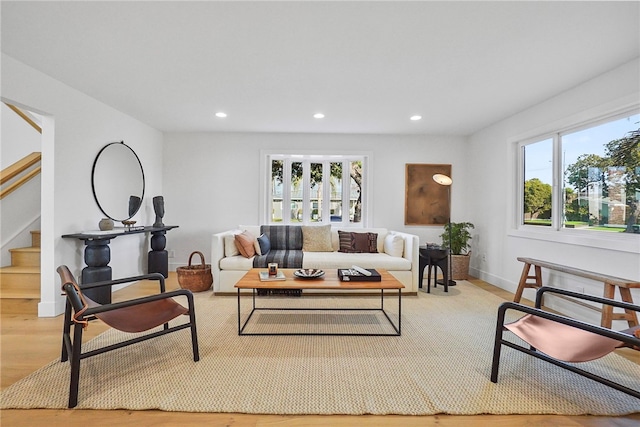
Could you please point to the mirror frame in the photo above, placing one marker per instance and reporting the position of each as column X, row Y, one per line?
column 93, row 185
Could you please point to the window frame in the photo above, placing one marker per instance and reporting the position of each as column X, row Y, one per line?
column 624, row 242
column 315, row 156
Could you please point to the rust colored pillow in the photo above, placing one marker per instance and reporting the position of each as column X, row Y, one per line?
column 245, row 242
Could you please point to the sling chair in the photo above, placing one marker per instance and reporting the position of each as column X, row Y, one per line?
column 559, row 339
column 136, row 315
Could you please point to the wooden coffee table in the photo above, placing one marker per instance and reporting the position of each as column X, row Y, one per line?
column 329, row 281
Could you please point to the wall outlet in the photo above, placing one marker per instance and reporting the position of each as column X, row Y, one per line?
column 172, row 254
column 579, row 289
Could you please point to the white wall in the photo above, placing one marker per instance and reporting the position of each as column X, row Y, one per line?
column 212, row 180
column 75, row 127
column 491, row 192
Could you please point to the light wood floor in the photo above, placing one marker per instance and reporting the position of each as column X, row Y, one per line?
column 29, row 342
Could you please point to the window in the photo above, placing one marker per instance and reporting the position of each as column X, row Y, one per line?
column 586, row 178
column 316, row 189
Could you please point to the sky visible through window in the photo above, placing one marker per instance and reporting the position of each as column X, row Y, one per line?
column 587, row 141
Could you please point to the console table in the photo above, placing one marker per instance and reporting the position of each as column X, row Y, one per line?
column 97, row 255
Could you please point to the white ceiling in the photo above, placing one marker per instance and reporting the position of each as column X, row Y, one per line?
column 367, row 65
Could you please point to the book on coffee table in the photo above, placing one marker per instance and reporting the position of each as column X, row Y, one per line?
column 352, row 275
column 264, row 276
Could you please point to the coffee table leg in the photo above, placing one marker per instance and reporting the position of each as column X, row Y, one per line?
column 238, row 311
column 399, row 312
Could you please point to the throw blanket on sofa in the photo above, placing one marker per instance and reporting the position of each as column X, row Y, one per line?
column 286, row 246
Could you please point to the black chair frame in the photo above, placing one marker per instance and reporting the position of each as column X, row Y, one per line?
column 72, row 346
column 627, row 339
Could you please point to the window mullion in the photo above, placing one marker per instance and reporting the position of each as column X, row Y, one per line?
column 326, row 191
column 306, row 191
column 286, row 191
column 346, row 192
column 557, row 199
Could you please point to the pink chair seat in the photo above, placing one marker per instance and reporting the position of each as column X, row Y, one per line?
column 562, row 341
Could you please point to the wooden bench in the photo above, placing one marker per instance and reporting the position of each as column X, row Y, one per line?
column 528, row 280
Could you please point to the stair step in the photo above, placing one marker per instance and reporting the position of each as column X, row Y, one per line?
column 20, row 281
column 35, row 238
column 25, row 257
column 19, row 306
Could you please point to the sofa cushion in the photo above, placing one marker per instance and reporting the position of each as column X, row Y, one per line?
column 236, row 263
column 333, row 260
column 394, row 245
column 316, row 238
column 245, row 242
column 284, row 259
column 283, row 237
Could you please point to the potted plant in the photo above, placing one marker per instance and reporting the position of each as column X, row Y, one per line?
column 457, row 237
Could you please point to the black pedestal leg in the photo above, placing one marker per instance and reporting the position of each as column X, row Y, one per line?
column 158, row 257
column 97, row 255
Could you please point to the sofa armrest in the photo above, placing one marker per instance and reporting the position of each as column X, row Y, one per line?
column 411, row 253
column 217, row 253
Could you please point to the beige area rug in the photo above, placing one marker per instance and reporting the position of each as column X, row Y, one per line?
column 440, row 364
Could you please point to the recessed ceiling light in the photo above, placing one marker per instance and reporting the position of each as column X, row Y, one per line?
column 318, row 116
column 221, row 114
column 414, row 118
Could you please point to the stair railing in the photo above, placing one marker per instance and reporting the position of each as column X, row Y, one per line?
column 24, row 116
column 21, row 167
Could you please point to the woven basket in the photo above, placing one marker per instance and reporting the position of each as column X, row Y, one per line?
column 196, row 278
column 460, row 266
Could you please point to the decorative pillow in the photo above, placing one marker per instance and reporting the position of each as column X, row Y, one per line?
column 316, row 238
column 346, row 242
column 358, row 242
column 366, row 242
column 230, row 248
column 394, row 245
column 245, row 242
column 264, row 243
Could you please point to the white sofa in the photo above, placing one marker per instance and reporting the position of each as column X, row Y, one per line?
column 227, row 270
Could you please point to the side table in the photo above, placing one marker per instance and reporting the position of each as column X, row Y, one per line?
column 433, row 256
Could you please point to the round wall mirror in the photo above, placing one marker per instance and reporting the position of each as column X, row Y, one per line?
column 117, row 180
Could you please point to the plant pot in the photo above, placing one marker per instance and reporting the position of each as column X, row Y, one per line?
column 460, row 266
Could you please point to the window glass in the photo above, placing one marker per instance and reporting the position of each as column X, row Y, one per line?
column 538, row 178
column 598, row 171
column 297, row 188
column 277, row 170
column 355, row 191
column 315, row 198
column 336, row 192
column 316, row 189
column 601, row 176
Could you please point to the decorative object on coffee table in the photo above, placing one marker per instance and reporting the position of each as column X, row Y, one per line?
column 308, row 273
column 196, row 278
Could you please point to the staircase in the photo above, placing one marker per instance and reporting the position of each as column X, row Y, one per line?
column 20, row 282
